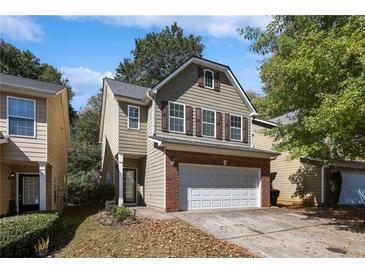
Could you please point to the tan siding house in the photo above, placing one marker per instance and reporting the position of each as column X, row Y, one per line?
column 34, row 141
column 171, row 135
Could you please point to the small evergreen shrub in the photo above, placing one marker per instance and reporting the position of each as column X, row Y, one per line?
column 122, row 214
column 19, row 234
column 105, row 192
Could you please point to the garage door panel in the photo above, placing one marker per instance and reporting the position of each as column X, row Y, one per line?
column 352, row 188
column 204, row 187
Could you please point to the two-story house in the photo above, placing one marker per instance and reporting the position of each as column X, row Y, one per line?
column 34, row 142
column 185, row 143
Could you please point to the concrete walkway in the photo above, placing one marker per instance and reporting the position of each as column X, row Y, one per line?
column 276, row 232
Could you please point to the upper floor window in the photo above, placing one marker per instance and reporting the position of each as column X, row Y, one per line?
column 133, row 117
column 236, row 128
column 208, row 123
column 177, row 117
column 208, row 79
column 21, row 117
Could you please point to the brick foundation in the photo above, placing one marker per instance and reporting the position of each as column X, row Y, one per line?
column 173, row 158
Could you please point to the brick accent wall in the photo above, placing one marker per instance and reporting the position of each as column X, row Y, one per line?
column 173, row 158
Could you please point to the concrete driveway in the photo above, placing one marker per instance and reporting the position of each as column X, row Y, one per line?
column 277, row 232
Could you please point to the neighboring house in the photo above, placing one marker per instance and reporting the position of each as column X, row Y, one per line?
column 302, row 181
column 34, row 142
column 184, row 143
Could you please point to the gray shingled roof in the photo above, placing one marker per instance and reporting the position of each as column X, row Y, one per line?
column 214, row 145
column 22, row 82
column 125, row 89
column 286, row 119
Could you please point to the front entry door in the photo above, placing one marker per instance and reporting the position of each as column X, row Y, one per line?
column 129, row 186
column 28, row 192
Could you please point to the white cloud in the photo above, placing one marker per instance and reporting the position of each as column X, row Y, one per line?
column 21, row 28
column 216, row 26
column 85, row 82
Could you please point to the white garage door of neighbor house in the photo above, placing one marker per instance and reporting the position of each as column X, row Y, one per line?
column 209, row 187
column 352, row 188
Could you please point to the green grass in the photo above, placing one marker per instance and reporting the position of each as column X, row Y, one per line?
column 83, row 236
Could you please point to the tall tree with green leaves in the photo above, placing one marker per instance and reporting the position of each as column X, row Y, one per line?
column 24, row 63
column 157, row 54
column 314, row 65
column 85, row 154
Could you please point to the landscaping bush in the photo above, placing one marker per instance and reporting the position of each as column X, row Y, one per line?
column 122, row 214
column 19, row 234
column 105, row 192
column 81, row 187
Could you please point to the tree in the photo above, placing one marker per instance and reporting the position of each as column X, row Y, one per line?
column 314, row 65
column 256, row 99
column 85, row 154
column 157, row 54
column 26, row 64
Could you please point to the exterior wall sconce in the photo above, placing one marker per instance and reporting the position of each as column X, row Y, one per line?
column 11, row 175
column 173, row 162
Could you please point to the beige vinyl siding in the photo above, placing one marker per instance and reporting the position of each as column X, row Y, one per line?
column 25, row 148
column 303, row 187
column 6, row 188
column 184, row 89
column 132, row 140
column 110, row 135
column 155, row 177
column 58, row 146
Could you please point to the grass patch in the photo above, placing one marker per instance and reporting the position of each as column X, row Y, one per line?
column 85, row 237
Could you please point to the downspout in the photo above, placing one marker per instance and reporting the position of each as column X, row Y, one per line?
column 153, row 109
column 322, row 184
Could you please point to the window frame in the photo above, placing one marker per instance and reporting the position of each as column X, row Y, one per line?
column 212, row 87
column 184, row 119
column 139, row 117
column 34, row 119
column 230, row 128
column 215, row 123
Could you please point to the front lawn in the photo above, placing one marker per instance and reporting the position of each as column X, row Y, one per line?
column 83, row 236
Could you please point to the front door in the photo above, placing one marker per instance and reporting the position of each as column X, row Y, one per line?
column 28, row 192
column 129, row 186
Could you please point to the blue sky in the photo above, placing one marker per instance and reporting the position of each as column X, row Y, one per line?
column 86, row 49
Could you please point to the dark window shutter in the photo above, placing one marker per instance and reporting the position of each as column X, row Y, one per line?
column 198, row 125
column 217, row 82
column 165, row 115
column 245, row 130
column 227, row 126
column 219, row 126
column 200, row 77
column 189, row 120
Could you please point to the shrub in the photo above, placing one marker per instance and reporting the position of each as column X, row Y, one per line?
column 122, row 213
column 19, row 234
column 105, row 192
column 81, row 187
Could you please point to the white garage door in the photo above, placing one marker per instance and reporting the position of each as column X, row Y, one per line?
column 352, row 188
column 208, row 187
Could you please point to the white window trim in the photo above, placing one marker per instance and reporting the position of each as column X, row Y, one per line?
column 212, row 87
column 177, row 117
column 230, row 117
column 35, row 117
column 215, row 122
column 139, row 117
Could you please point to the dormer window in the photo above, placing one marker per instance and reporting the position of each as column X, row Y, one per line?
column 208, row 79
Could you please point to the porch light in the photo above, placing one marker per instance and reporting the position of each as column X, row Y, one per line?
column 11, row 175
